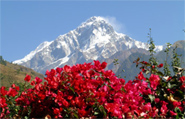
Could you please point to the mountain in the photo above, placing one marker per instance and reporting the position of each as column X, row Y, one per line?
column 10, row 73
column 130, row 67
column 94, row 39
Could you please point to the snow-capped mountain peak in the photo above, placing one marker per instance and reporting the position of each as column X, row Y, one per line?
column 93, row 21
column 93, row 39
column 42, row 45
column 32, row 53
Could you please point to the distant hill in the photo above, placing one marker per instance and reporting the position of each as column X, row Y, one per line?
column 130, row 68
column 10, row 73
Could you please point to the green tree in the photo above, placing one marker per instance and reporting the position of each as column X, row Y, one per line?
column 152, row 59
column 2, row 61
column 166, row 65
column 175, row 60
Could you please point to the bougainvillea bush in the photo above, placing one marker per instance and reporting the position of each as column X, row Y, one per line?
column 88, row 90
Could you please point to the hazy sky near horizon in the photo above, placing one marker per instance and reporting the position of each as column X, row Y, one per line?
column 26, row 24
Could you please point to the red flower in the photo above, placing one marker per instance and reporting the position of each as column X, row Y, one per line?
column 144, row 62
column 67, row 68
column 157, row 100
column 12, row 92
column 141, row 76
column 3, row 92
column 182, row 79
column 2, row 102
column 172, row 113
column 153, row 66
column 154, row 81
column 65, row 103
column 176, row 104
column 56, row 111
column 15, row 87
column 38, row 80
column 103, row 65
column 47, row 73
column 33, row 83
column 59, row 70
column 97, row 63
column 27, row 78
column 53, row 72
column 84, row 89
column 82, row 113
column 182, row 86
column 164, row 109
column 160, row 65
column 147, row 107
column 169, row 78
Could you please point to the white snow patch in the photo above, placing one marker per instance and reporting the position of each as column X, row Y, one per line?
column 159, row 48
column 62, row 61
column 32, row 53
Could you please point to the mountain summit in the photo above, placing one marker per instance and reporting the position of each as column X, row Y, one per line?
column 94, row 39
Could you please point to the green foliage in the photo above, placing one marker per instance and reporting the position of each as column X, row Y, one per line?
column 32, row 73
column 166, row 65
column 115, row 62
column 1, row 76
column 18, row 71
column 2, row 61
column 169, row 90
column 175, row 60
column 152, row 59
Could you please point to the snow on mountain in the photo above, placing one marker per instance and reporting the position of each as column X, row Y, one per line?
column 92, row 40
column 32, row 53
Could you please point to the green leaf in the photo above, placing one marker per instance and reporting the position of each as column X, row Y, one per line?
column 169, row 85
column 148, row 64
column 173, row 85
column 76, row 115
column 177, row 110
column 72, row 89
column 102, row 110
column 180, row 92
column 96, row 113
column 151, row 97
column 160, row 73
column 96, row 77
column 147, row 72
column 122, row 89
column 164, row 84
column 26, row 117
column 110, row 87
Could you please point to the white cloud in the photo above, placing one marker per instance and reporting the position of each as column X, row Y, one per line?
column 118, row 26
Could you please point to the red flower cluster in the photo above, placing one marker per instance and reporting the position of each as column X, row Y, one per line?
column 88, row 90
column 84, row 90
column 12, row 92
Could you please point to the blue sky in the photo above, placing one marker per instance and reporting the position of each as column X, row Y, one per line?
column 26, row 24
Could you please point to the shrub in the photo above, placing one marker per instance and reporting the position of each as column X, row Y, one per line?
column 88, row 90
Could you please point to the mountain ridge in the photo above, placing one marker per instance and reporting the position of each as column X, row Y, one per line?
column 130, row 67
column 94, row 39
